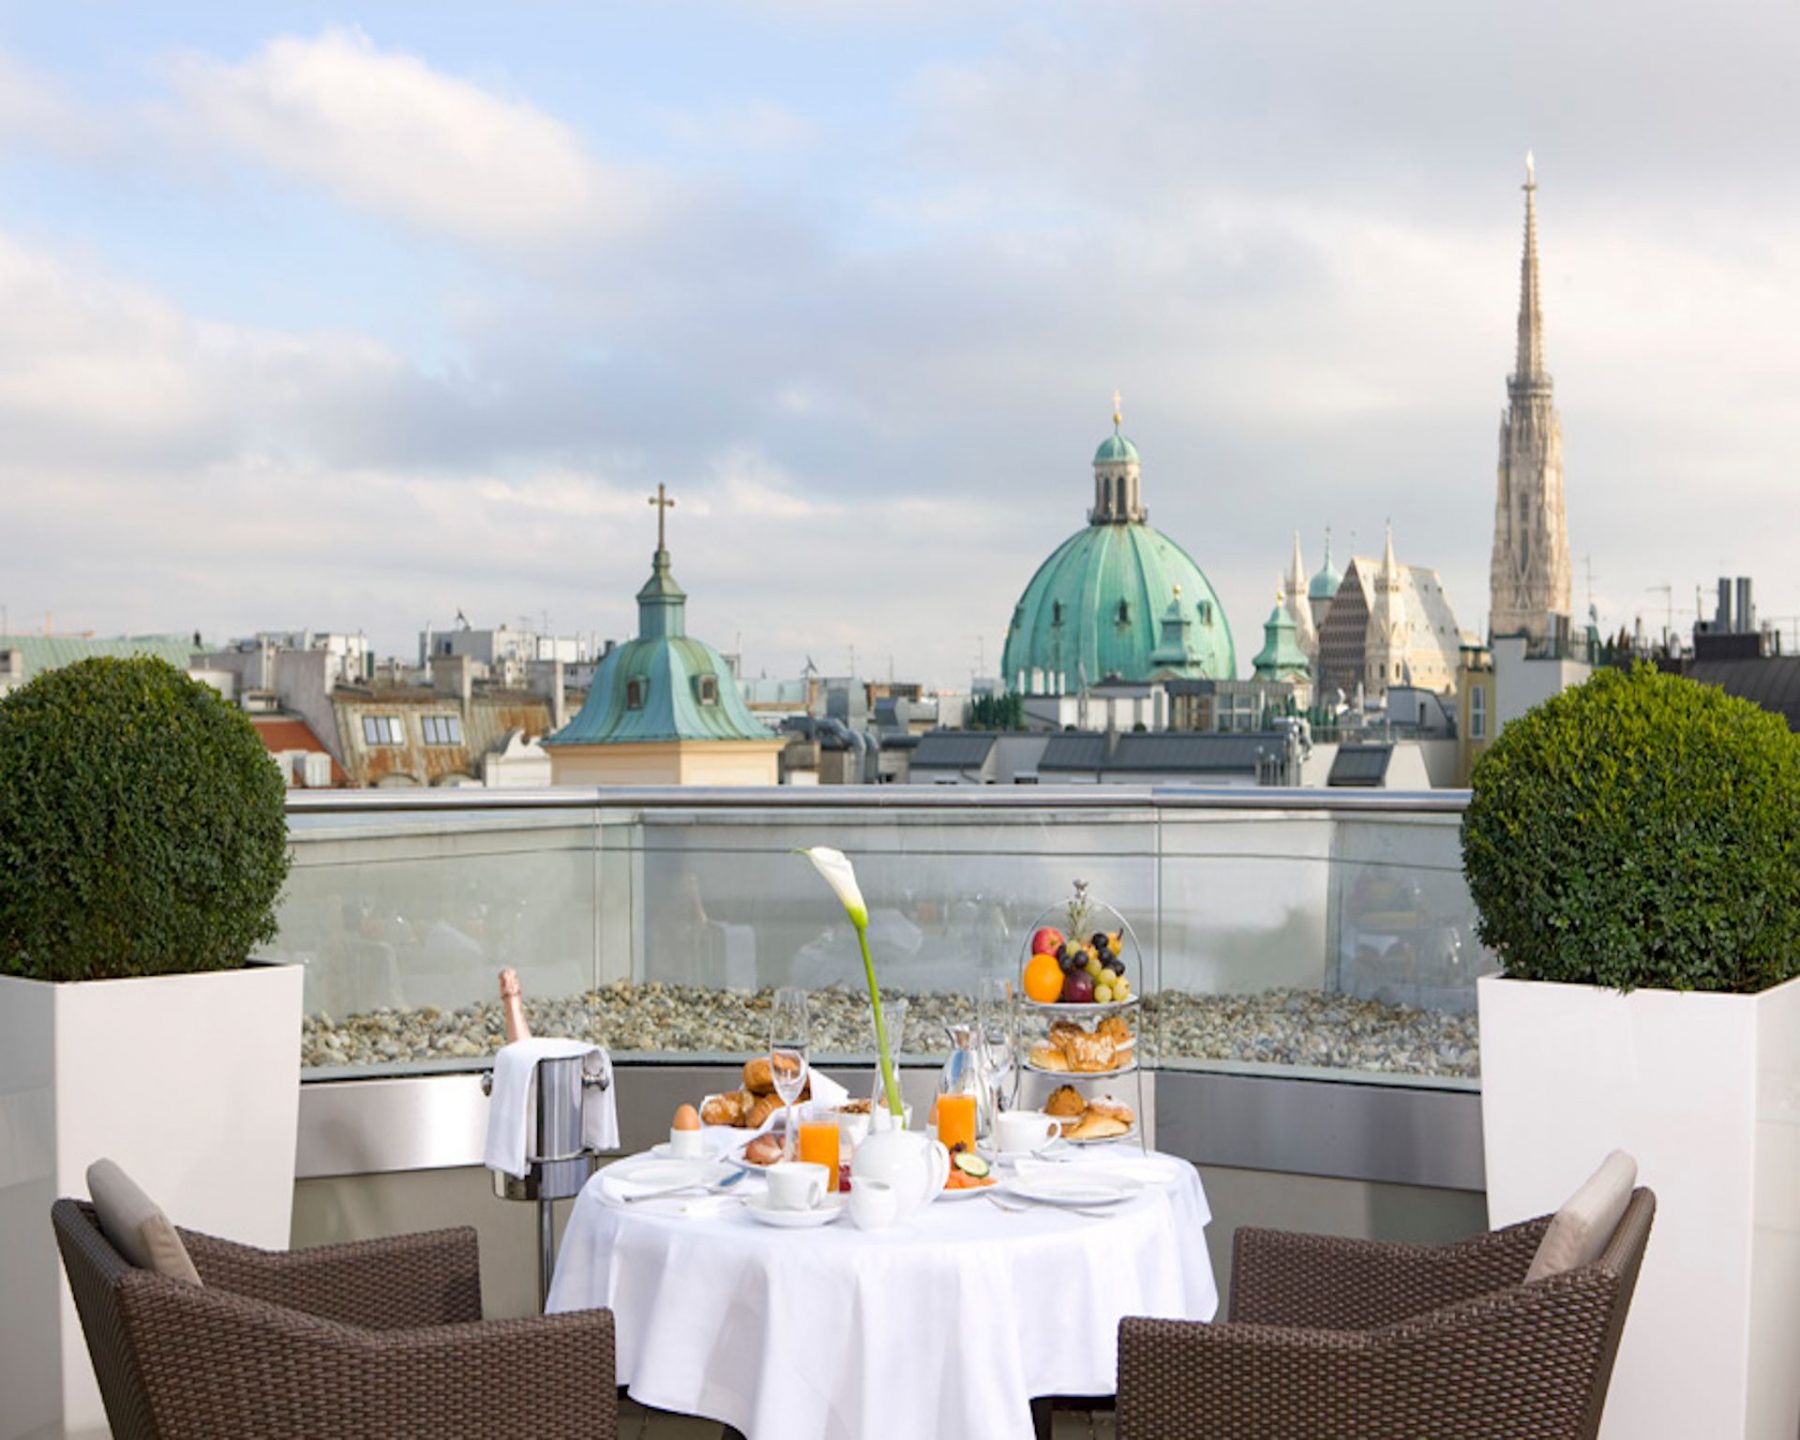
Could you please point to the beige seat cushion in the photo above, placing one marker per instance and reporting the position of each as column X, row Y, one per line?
column 1579, row 1231
column 136, row 1226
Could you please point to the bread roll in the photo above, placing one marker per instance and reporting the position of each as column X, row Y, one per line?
column 757, row 1079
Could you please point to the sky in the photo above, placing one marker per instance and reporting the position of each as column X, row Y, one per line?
column 354, row 320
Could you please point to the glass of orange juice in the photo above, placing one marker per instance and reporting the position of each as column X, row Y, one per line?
column 956, row 1121
column 819, row 1146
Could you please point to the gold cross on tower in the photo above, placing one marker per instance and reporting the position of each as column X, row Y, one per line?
column 664, row 503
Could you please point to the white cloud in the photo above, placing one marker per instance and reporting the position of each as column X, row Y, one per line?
column 388, row 133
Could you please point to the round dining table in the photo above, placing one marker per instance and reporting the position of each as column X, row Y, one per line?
column 946, row 1325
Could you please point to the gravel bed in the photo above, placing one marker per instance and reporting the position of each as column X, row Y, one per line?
column 1273, row 1027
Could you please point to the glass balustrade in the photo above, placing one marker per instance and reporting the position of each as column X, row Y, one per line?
column 1288, row 934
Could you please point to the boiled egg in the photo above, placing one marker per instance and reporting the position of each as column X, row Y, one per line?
column 687, row 1118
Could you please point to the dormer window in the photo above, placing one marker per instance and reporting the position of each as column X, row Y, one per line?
column 635, row 691
column 1124, row 612
column 1056, row 612
column 1205, row 611
column 707, row 688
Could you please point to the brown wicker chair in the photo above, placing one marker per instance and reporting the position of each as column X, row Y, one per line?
column 1334, row 1339
column 383, row 1338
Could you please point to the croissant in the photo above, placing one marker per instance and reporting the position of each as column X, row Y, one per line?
column 761, row 1108
column 757, row 1078
column 763, row 1150
column 1047, row 1057
column 727, row 1109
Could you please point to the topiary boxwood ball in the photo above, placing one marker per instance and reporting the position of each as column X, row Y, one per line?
column 1640, row 830
column 142, row 826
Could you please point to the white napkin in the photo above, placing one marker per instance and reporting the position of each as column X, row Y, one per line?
column 512, row 1106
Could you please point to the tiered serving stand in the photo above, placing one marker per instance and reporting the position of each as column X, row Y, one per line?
column 1084, row 914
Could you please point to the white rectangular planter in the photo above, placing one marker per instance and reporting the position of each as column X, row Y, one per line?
column 191, row 1083
column 1704, row 1090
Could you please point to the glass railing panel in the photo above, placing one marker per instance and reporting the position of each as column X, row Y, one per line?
column 1329, row 944
column 403, row 921
column 1331, row 939
column 729, row 910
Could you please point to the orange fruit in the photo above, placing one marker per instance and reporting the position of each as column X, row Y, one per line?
column 1043, row 979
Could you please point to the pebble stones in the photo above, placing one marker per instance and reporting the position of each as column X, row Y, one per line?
column 1283, row 1027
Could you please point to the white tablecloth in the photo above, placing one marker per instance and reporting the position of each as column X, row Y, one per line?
column 943, row 1327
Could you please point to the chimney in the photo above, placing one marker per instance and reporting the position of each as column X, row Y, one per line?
column 546, row 679
column 1746, row 607
column 453, row 675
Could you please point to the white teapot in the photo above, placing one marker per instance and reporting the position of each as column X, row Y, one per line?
column 914, row 1165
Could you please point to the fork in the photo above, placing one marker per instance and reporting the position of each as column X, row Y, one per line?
column 1015, row 1208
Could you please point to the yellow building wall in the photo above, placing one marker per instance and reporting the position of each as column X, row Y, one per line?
column 668, row 762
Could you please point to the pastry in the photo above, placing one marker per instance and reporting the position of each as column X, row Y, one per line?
column 763, row 1150
column 757, row 1079
column 761, row 1108
column 1095, row 1126
column 1114, row 1027
column 727, row 1109
column 1065, row 1101
column 1112, row 1109
column 1046, row 1056
column 1087, row 1053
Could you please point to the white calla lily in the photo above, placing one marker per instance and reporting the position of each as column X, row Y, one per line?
column 840, row 875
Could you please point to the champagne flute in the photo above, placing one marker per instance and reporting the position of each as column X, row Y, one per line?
column 996, row 1022
column 789, row 1035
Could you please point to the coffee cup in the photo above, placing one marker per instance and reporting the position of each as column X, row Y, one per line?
column 1021, row 1132
column 874, row 1204
column 796, row 1185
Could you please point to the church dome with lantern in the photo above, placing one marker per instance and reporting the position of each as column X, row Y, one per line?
column 1116, row 599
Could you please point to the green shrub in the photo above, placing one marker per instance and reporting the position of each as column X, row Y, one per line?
column 142, row 826
column 1640, row 830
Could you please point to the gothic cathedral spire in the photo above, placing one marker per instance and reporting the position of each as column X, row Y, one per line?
column 1528, row 581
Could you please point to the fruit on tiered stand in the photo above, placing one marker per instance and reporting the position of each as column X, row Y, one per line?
column 1086, row 972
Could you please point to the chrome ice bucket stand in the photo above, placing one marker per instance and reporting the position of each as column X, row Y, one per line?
column 557, row 1163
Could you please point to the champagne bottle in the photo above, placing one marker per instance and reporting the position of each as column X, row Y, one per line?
column 512, row 1006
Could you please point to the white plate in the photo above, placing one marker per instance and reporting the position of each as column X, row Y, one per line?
column 665, row 1151
column 652, row 1173
column 759, row 1209
column 1072, row 1187
column 968, row 1191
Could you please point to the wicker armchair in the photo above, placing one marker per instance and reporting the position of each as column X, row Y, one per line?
column 1335, row 1339
column 383, row 1338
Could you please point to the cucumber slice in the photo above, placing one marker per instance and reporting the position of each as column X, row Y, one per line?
column 973, row 1165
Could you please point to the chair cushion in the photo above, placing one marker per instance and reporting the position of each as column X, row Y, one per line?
column 135, row 1226
column 1578, row 1232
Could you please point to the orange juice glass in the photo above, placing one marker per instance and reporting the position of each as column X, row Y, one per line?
column 819, row 1146
column 956, row 1121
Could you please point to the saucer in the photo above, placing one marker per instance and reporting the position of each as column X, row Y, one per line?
column 666, row 1151
column 760, row 1209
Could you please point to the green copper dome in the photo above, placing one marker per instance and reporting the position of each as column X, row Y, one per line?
column 664, row 685
column 1115, row 449
column 1325, row 584
column 1116, row 599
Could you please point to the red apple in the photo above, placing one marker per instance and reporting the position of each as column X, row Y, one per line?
column 1078, row 987
column 1046, row 941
